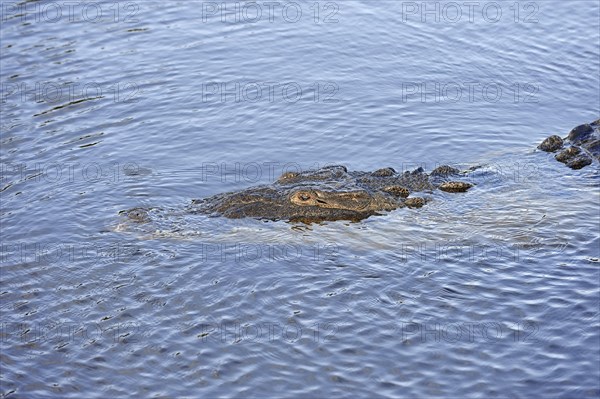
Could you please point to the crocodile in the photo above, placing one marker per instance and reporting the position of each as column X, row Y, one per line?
column 332, row 193
column 578, row 149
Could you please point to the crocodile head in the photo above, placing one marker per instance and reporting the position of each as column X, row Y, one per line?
column 328, row 193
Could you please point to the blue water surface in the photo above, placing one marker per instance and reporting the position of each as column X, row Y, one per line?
column 108, row 106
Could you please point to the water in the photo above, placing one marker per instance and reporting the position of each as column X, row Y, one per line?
column 490, row 294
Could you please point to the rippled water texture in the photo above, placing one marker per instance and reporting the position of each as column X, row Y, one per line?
column 110, row 106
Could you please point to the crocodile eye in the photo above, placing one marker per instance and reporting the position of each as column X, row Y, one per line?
column 304, row 196
column 289, row 175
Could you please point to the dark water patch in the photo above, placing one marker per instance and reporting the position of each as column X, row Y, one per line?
column 67, row 105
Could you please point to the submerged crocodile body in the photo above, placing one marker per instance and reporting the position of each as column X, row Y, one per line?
column 331, row 193
column 582, row 145
column 334, row 193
